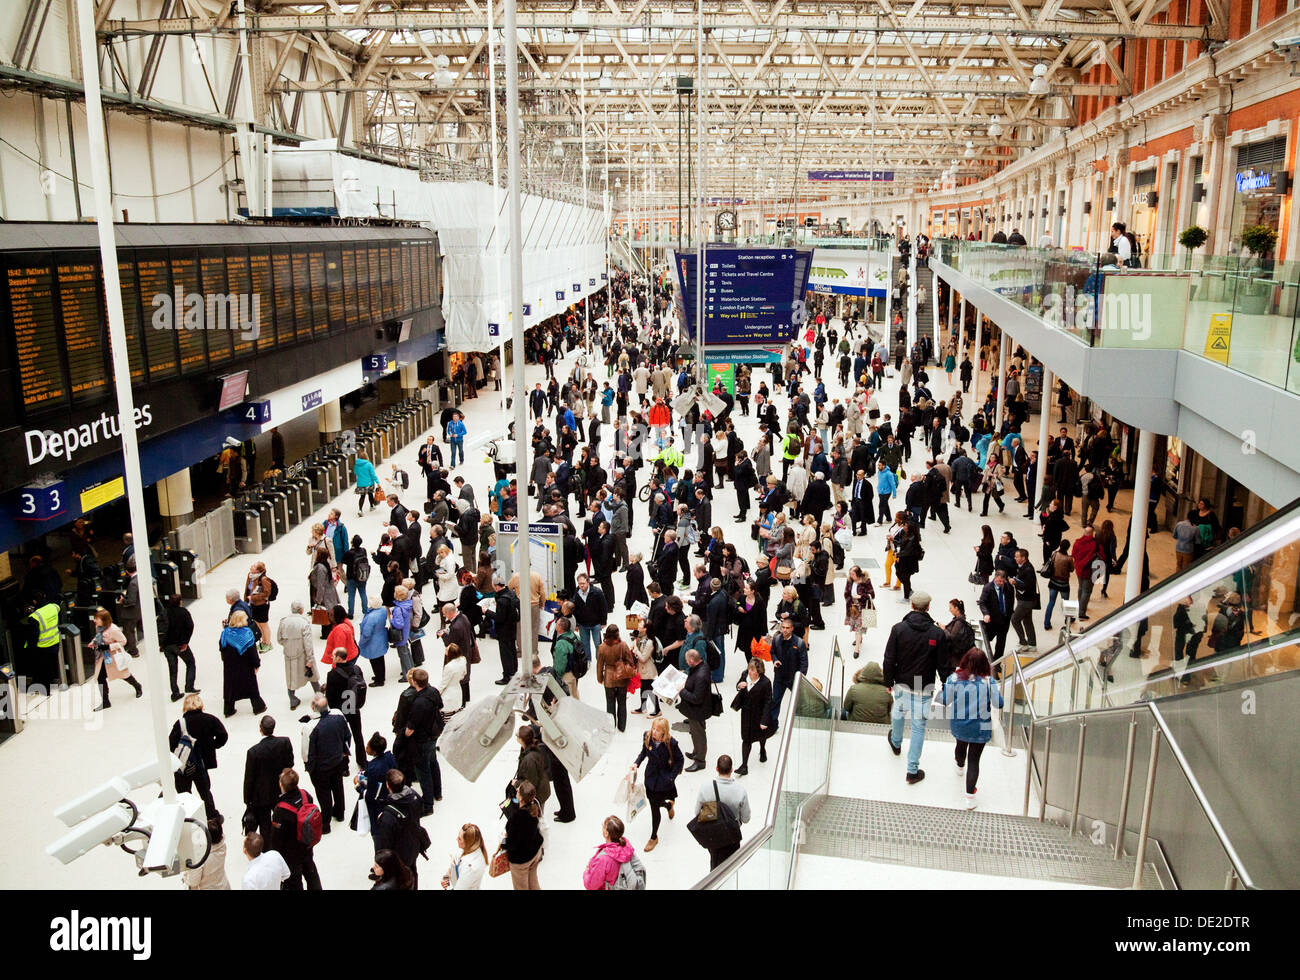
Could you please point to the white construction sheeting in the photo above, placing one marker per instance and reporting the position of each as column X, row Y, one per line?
column 564, row 244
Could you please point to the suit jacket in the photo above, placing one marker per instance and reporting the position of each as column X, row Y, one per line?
column 262, row 767
column 988, row 603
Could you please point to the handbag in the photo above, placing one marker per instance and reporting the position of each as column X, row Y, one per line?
column 715, row 703
column 784, row 572
column 634, row 685
column 975, row 578
column 499, row 864
column 623, row 672
column 715, row 826
column 394, row 636
column 320, row 616
column 636, row 800
column 869, row 618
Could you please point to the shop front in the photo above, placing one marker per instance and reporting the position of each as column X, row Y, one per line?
column 1261, row 185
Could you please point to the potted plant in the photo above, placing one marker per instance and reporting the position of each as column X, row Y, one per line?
column 1191, row 239
column 1259, row 241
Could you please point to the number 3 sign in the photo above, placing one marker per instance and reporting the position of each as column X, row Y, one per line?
column 41, row 503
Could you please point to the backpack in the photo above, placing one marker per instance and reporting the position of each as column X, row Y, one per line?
column 712, row 655
column 403, row 479
column 307, row 819
column 796, row 444
column 187, row 753
column 357, row 686
column 579, row 662
column 361, row 570
column 631, row 876
column 275, row 588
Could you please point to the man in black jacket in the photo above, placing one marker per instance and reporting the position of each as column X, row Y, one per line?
column 590, row 612
column 284, row 834
column 860, row 509
column 913, row 652
column 696, row 706
column 176, row 645
column 603, row 560
column 327, row 762
column 1026, row 585
column 789, row 658
column 816, row 498
column 418, row 736
column 745, row 480
column 997, row 602
column 345, row 691
column 263, row 764
column 505, row 619
column 397, row 827
column 467, row 531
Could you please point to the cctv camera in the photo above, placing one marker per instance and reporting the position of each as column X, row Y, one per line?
column 89, row 804
column 1290, row 49
column 164, row 839
column 102, row 828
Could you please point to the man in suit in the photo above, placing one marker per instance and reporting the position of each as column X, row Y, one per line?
column 703, row 508
column 1060, row 445
column 1019, row 464
column 997, row 601
column 262, row 767
column 860, row 505
column 128, row 606
column 327, row 761
column 1025, row 585
column 537, row 401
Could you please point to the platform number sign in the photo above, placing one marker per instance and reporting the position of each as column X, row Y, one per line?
column 41, row 503
column 494, row 329
column 258, row 413
column 528, row 309
column 577, row 287
column 591, row 281
column 559, row 295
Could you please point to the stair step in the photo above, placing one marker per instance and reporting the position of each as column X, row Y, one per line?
column 936, row 729
column 969, row 841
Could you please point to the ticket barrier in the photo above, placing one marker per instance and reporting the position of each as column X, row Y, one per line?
column 187, row 568
column 248, row 530
column 277, row 495
column 76, row 660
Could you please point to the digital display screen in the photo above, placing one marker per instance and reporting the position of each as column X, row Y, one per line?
column 189, row 310
column 159, row 338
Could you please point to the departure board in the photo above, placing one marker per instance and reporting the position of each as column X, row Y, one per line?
column 31, row 304
column 391, row 285
column 221, row 309
column 260, row 285
column 320, row 322
column 410, row 279
column 130, row 317
column 302, row 296
column 376, row 283
column 159, row 338
column 351, row 313
column 432, row 297
column 334, row 289
column 188, row 319
column 283, row 276
column 239, row 283
column 79, row 304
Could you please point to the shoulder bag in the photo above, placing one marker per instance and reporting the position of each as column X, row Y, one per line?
column 715, row 826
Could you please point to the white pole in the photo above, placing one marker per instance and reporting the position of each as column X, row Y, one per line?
column 1044, row 437
column 98, row 146
column 701, row 138
column 1146, row 449
column 497, row 202
column 1002, row 377
column 522, row 442
column 582, row 97
column 979, row 340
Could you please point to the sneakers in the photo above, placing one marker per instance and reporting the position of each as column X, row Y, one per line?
column 915, row 777
column 897, row 749
column 960, row 770
column 970, row 801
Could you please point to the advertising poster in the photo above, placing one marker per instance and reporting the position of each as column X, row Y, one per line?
column 727, row 374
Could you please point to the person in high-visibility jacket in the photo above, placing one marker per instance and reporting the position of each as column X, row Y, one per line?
column 670, row 455
column 43, row 642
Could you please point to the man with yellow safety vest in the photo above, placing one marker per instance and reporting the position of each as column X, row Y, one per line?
column 670, row 455
column 42, row 642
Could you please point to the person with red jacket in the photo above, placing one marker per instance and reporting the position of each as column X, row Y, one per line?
column 1085, row 553
column 341, row 635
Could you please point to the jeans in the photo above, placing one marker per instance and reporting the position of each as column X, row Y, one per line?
column 1052, row 593
column 355, row 589
column 591, row 640
column 616, row 706
column 779, row 688
column 1085, row 593
column 883, row 516
column 457, row 446
column 427, row 772
column 404, row 656
column 186, row 656
column 917, row 706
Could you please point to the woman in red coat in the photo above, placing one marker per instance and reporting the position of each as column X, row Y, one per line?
column 341, row 635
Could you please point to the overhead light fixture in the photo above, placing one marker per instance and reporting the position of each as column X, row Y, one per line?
column 443, row 78
column 606, row 83
column 1039, row 85
column 995, row 127
column 970, row 150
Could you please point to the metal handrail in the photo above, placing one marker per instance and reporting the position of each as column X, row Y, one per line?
column 1161, row 726
column 824, row 787
column 764, row 834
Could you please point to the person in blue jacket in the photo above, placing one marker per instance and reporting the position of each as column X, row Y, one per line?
column 373, row 641
column 886, row 489
column 370, row 782
column 982, row 447
column 367, row 482
column 972, row 695
column 456, row 436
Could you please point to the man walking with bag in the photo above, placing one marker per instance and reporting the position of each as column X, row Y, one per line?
column 721, row 807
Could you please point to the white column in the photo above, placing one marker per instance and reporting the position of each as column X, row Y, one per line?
column 934, row 316
column 1002, row 375
column 409, row 375
column 175, row 500
column 329, row 421
column 961, row 328
column 979, row 335
column 1044, row 436
column 952, row 313
column 1146, row 451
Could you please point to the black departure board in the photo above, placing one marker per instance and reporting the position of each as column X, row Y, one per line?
column 78, row 284
column 259, row 274
column 188, row 319
column 131, row 318
column 320, row 321
column 222, row 315
column 31, row 304
column 302, row 295
column 156, row 299
column 239, row 283
column 351, row 312
column 334, row 288
column 282, row 275
column 191, row 310
column 375, row 260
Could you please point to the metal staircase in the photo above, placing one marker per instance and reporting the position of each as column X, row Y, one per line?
column 967, row 841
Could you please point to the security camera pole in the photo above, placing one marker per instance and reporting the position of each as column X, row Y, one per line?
column 521, row 560
column 122, row 382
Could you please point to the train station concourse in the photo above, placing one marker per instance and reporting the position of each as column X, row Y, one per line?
column 443, row 442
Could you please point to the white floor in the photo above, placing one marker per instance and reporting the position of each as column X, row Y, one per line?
column 55, row 760
column 843, row 874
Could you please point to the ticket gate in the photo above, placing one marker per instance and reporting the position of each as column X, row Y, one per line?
column 278, row 497
column 248, row 531
column 187, row 567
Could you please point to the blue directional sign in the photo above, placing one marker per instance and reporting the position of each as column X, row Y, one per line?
column 751, row 295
